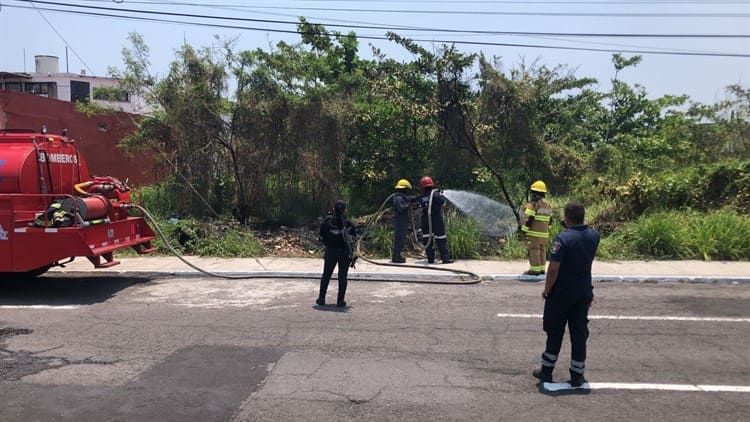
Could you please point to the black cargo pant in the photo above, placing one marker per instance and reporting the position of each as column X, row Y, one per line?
column 331, row 258
column 572, row 310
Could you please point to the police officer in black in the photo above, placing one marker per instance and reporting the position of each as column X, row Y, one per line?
column 568, row 294
column 433, row 226
column 337, row 234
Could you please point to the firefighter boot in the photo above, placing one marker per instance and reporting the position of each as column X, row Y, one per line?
column 576, row 379
column 544, row 374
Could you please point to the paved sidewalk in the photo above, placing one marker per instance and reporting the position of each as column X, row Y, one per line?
column 697, row 271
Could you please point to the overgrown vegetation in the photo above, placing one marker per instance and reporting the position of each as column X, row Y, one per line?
column 311, row 122
column 718, row 235
column 191, row 237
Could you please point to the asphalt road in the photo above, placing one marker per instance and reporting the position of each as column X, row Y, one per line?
column 114, row 348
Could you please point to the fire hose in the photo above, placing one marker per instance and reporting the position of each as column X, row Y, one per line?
column 473, row 278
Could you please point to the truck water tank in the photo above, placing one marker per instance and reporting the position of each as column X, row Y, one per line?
column 31, row 163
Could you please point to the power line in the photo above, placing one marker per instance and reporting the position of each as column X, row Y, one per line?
column 397, row 28
column 459, row 12
column 478, row 43
column 628, row 2
column 67, row 44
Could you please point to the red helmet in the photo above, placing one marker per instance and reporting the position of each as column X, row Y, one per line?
column 426, row 182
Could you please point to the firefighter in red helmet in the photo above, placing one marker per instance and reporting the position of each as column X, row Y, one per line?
column 536, row 228
column 433, row 226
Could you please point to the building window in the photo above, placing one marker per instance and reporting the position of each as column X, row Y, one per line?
column 113, row 94
column 13, row 86
column 39, row 88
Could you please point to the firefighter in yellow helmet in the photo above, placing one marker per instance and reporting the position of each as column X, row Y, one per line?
column 401, row 203
column 536, row 228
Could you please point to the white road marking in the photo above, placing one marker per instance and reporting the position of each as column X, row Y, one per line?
column 639, row 318
column 669, row 387
column 61, row 307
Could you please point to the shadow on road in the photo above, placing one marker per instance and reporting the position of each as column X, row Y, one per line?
column 64, row 290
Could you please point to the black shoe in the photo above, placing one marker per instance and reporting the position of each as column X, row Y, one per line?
column 448, row 261
column 542, row 375
column 430, row 261
column 341, row 304
column 320, row 302
column 532, row 272
column 577, row 381
column 398, row 260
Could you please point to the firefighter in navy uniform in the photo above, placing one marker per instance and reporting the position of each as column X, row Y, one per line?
column 536, row 228
column 400, row 219
column 568, row 294
column 337, row 234
column 433, row 227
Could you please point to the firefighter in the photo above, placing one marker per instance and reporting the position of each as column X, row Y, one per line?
column 400, row 219
column 568, row 294
column 536, row 228
column 433, row 227
column 337, row 234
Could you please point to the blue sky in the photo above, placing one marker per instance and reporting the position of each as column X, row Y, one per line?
column 95, row 42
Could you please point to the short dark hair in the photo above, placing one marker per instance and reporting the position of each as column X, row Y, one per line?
column 575, row 212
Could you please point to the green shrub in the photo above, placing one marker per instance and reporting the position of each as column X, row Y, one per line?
column 229, row 244
column 377, row 241
column 192, row 237
column 704, row 188
column 514, row 248
column 157, row 199
column 721, row 235
column 465, row 236
column 662, row 235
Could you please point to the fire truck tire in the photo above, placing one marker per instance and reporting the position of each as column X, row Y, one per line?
column 26, row 274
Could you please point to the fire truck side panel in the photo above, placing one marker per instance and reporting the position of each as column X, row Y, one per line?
column 6, row 233
column 35, row 247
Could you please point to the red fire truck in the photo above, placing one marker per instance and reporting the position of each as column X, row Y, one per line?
column 52, row 210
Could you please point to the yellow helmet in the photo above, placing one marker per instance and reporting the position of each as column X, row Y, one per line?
column 403, row 184
column 539, row 186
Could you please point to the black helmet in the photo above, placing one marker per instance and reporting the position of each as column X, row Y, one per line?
column 339, row 207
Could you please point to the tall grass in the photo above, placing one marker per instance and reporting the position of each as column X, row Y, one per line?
column 465, row 236
column 719, row 235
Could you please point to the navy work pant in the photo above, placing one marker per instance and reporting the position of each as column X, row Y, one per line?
column 560, row 310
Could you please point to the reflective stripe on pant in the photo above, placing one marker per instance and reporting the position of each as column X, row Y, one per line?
column 442, row 244
column 537, row 247
column 573, row 311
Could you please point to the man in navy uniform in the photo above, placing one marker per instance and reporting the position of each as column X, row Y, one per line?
column 568, row 294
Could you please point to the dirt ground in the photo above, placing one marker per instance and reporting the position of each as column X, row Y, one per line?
column 290, row 241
